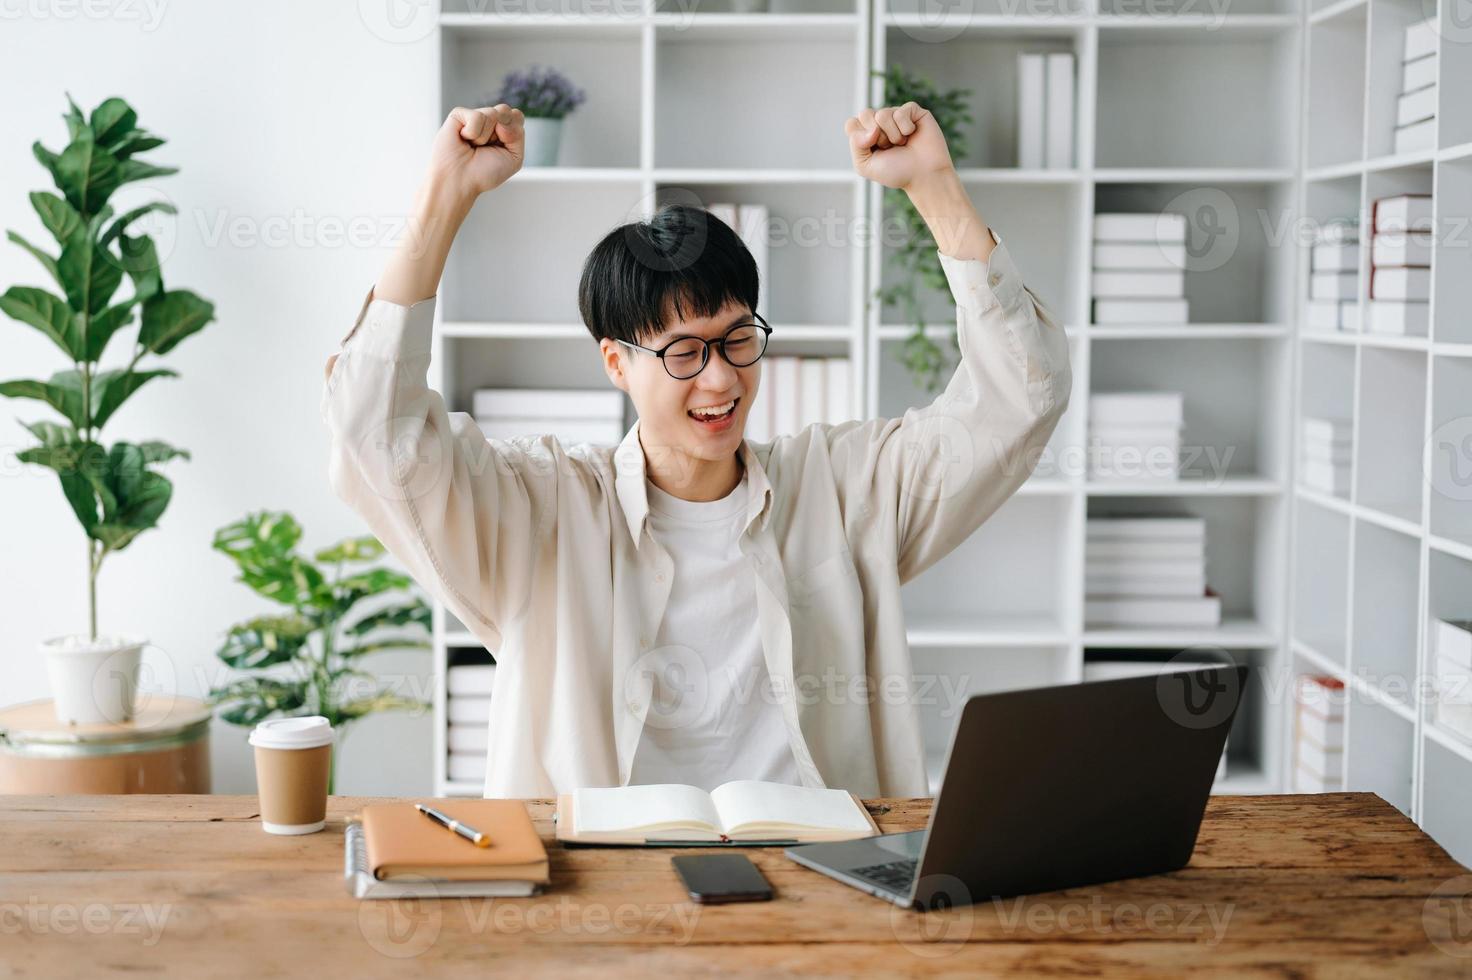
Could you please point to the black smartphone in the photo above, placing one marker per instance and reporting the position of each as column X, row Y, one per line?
column 715, row 878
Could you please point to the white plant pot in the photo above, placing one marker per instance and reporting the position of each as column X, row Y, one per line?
column 543, row 142
column 93, row 681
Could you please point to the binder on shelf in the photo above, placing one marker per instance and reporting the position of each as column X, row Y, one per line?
column 472, row 679
column 1400, row 318
column 1416, row 137
column 1333, row 285
column 1404, row 212
column 1059, row 141
column 786, row 409
column 1144, row 312
column 836, row 384
column 1166, row 284
column 468, row 738
column 548, row 402
column 753, row 219
column 468, row 709
column 1402, row 248
column 1336, row 257
column 1318, row 740
column 1415, row 106
column 1400, row 283
column 1031, row 99
column 1418, row 73
column 1143, row 256
column 813, row 399
column 1139, row 227
column 1420, row 40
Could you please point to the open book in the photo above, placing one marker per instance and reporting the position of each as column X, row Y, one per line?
column 742, row 811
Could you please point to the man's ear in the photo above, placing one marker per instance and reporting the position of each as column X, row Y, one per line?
column 614, row 363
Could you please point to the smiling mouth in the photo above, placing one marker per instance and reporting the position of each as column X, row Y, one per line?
column 708, row 416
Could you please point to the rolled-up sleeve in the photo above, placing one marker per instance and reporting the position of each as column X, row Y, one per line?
column 941, row 470
column 461, row 514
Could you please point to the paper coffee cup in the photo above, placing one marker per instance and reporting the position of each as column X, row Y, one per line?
column 293, row 758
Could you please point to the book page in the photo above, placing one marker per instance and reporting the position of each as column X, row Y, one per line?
column 637, row 808
column 752, row 804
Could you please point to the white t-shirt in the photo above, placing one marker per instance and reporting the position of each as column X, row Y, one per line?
column 713, row 716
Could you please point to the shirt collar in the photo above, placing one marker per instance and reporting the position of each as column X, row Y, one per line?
column 629, row 465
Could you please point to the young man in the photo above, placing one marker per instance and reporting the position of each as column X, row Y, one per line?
column 689, row 606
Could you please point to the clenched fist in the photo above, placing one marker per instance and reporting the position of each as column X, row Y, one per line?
column 478, row 150
column 897, row 145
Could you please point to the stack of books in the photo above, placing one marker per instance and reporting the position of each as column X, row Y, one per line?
column 1415, row 115
column 1146, row 666
column 1148, row 570
column 1326, row 455
column 1400, row 266
column 574, row 416
column 468, row 707
column 1333, row 302
column 1045, row 110
column 1452, row 653
column 795, row 392
column 1139, row 269
column 1318, row 741
column 750, row 221
column 1135, row 435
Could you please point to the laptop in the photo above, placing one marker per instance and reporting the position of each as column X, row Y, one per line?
column 1056, row 787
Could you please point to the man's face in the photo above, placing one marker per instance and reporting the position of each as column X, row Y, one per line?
column 668, row 420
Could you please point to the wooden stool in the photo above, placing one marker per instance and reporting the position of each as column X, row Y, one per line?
column 165, row 748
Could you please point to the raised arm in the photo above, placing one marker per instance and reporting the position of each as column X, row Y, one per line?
column 943, row 469
column 461, row 515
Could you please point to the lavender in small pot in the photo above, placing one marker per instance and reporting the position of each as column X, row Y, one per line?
column 545, row 96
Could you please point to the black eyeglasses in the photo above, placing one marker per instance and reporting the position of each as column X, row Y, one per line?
column 685, row 357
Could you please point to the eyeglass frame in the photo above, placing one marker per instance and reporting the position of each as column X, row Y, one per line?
column 760, row 324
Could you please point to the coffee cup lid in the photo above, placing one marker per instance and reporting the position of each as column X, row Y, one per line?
column 306, row 732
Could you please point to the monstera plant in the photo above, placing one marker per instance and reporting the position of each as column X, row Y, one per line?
column 116, row 491
column 307, row 658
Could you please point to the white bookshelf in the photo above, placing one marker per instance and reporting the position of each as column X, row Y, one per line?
column 1006, row 609
column 1369, row 569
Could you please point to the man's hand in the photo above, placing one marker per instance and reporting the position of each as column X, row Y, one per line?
column 897, row 146
column 477, row 150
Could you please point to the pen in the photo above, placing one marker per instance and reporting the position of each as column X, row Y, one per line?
column 450, row 823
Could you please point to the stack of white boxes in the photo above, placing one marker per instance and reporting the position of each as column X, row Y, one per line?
column 1452, row 667
column 468, row 707
column 1147, row 570
column 1415, row 115
column 595, row 416
column 796, row 392
column 1327, row 451
column 1334, row 278
column 1318, row 744
column 1400, row 266
column 1139, row 269
column 1045, row 110
column 753, row 223
column 1135, row 435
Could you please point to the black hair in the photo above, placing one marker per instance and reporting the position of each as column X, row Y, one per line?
column 681, row 262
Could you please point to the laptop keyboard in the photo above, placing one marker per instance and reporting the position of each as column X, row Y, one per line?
column 895, row 875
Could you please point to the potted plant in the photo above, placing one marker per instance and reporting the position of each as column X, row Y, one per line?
column 115, row 491
column 306, row 660
column 545, row 97
column 915, row 259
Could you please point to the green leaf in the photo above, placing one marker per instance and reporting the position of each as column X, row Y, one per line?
column 138, row 141
column 76, row 123
column 48, row 160
column 363, row 707
column 375, row 580
column 408, row 614
column 112, row 388
column 63, row 393
column 118, row 226
column 254, row 699
column 160, row 452
column 90, row 275
column 134, row 497
column 259, row 535
column 129, row 171
column 63, row 451
column 48, row 314
column 111, row 121
column 46, row 259
column 265, row 641
column 365, row 548
column 262, row 546
column 87, row 174
column 59, row 217
column 139, row 260
column 102, row 326
column 381, row 646
column 169, row 318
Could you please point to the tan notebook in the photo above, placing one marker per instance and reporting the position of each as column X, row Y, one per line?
column 742, row 812
column 402, row 841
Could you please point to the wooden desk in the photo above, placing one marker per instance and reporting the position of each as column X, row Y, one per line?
column 1282, row 885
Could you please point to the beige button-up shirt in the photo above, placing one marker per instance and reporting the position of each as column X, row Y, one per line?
column 544, row 553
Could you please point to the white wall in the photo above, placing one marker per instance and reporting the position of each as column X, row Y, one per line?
column 288, row 121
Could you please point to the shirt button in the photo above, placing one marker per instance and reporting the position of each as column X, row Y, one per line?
column 995, row 279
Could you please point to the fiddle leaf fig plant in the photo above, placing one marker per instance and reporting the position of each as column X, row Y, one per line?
column 306, row 658
column 116, row 491
column 914, row 259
